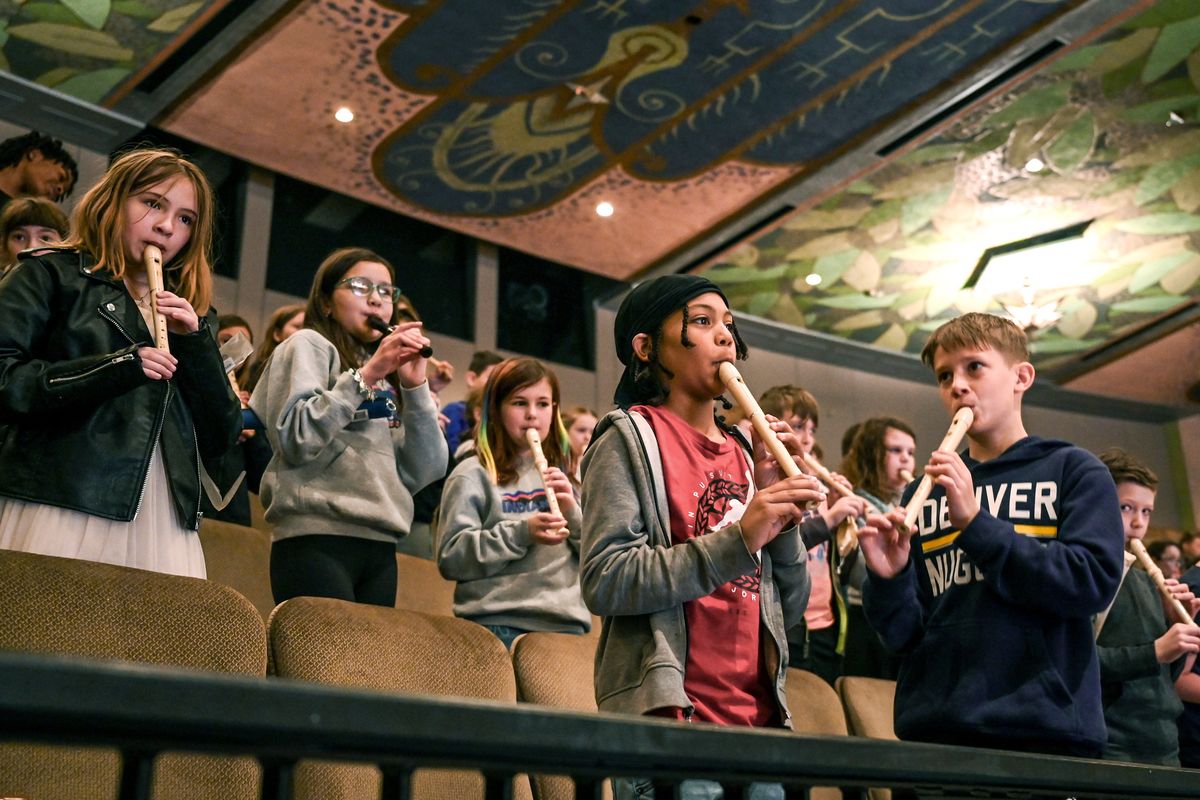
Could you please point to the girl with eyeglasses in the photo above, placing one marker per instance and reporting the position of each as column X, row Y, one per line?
column 355, row 434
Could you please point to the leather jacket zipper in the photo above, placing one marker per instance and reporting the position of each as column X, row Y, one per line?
column 91, row 370
column 199, row 482
column 153, row 441
column 161, row 418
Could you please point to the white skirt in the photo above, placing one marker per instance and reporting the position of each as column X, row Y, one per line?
column 154, row 540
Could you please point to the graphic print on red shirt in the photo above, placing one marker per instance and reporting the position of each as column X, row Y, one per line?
column 708, row 486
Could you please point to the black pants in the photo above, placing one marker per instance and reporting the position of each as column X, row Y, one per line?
column 865, row 654
column 342, row 567
column 815, row 651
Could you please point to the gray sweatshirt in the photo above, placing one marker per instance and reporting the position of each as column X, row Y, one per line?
column 331, row 474
column 637, row 579
column 504, row 577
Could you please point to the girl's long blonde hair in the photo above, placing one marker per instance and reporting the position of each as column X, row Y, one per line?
column 100, row 219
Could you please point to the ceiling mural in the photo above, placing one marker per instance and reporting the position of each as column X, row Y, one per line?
column 89, row 48
column 1099, row 153
column 510, row 121
column 536, row 97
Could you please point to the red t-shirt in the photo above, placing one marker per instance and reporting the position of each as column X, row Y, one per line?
column 708, row 487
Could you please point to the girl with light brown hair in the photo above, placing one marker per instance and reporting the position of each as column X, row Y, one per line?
column 119, row 427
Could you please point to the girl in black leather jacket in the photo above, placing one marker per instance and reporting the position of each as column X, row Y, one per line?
column 101, row 434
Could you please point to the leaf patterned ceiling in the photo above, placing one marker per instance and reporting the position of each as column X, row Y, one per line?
column 1109, row 134
column 91, row 49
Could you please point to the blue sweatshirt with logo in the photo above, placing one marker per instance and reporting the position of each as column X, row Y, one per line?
column 994, row 620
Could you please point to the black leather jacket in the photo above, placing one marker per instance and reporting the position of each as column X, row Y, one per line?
column 78, row 417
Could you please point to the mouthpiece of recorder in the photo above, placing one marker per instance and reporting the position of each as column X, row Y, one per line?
column 385, row 329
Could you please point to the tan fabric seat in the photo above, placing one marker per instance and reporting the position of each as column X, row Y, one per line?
column 240, row 558
column 555, row 669
column 70, row 607
column 420, row 587
column 869, row 704
column 390, row 650
column 816, row 711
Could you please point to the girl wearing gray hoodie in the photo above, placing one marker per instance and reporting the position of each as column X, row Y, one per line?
column 516, row 562
column 355, row 434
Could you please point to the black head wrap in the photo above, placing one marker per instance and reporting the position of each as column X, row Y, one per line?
column 643, row 311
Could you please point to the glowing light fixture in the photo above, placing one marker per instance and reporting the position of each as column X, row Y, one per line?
column 1046, row 262
column 344, row 114
column 604, row 209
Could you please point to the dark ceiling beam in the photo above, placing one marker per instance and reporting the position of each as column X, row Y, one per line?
column 1086, row 21
column 828, row 349
column 1142, row 335
column 223, row 45
column 31, row 105
column 824, row 348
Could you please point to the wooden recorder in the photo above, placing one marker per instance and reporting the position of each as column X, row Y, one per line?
column 963, row 419
column 732, row 379
column 539, row 459
column 1139, row 551
column 152, row 258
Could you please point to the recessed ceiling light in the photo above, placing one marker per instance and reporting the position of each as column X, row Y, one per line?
column 812, row 279
column 1035, row 165
column 344, row 114
column 604, row 209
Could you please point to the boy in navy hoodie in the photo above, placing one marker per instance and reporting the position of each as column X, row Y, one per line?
column 990, row 599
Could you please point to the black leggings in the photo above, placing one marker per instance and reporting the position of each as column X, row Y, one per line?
column 342, row 567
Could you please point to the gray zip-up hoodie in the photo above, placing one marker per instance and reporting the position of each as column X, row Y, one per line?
column 330, row 473
column 504, row 577
column 637, row 581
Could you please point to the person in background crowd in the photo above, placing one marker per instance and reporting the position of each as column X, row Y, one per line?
column 580, row 420
column 284, row 322
column 883, row 449
column 30, row 222
column 1190, row 546
column 34, row 165
column 477, row 374
column 1168, row 557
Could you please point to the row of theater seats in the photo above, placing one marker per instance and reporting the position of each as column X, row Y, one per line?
column 62, row 606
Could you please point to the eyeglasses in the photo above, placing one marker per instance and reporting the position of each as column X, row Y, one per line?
column 361, row 287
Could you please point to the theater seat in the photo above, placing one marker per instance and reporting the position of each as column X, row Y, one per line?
column 816, row 711
column 389, row 650
column 555, row 669
column 869, row 706
column 815, row 706
column 869, row 711
column 240, row 558
column 79, row 608
column 420, row 587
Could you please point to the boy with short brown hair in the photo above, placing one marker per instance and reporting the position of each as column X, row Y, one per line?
column 1141, row 652
column 1018, row 545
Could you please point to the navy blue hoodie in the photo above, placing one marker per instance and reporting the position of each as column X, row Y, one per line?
column 995, row 621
